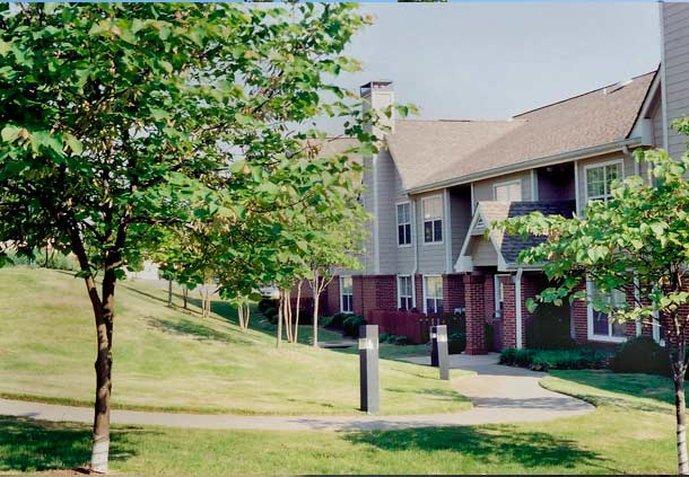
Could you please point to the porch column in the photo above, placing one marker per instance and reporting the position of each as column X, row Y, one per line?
column 509, row 313
column 475, row 313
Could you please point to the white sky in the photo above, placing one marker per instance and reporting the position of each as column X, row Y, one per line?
column 493, row 60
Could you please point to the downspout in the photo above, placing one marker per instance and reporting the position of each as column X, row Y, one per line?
column 416, row 249
column 518, row 307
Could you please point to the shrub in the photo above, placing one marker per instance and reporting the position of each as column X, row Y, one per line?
column 266, row 303
column 456, row 342
column 386, row 337
column 543, row 360
column 351, row 324
column 399, row 340
column 54, row 260
column 324, row 321
column 271, row 315
column 338, row 319
column 641, row 355
column 549, row 328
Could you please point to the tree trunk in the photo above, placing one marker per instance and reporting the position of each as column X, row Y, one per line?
column 678, row 372
column 169, row 293
column 279, row 331
column 104, row 326
column 315, row 315
column 296, row 320
column 185, row 297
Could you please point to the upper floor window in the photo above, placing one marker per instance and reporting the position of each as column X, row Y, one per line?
column 404, row 224
column 508, row 191
column 600, row 324
column 433, row 293
column 599, row 178
column 346, row 294
column 405, row 290
column 432, row 219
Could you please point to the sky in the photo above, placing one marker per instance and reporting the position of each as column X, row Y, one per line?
column 493, row 60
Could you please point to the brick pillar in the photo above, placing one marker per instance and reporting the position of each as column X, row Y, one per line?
column 418, row 291
column 474, row 295
column 453, row 292
column 509, row 314
column 579, row 319
column 358, row 294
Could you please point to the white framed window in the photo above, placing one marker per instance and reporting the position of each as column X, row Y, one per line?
column 432, row 219
column 508, row 191
column 599, row 177
column 405, row 292
column 404, row 224
column 499, row 294
column 346, row 294
column 601, row 327
column 433, row 294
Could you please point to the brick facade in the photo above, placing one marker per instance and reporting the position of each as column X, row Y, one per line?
column 509, row 313
column 374, row 292
column 453, row 292
column 474, row 296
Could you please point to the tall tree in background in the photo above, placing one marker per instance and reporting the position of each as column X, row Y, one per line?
column 638, row 239
column 118, row 122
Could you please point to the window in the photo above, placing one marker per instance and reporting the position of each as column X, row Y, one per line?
column 346, row 295
column 508, row 191
column 433, row 219
column 433, row 294
column 404, row 224
column 601, row 326
column 599, row 178
column 499, row 289
column 405, row 291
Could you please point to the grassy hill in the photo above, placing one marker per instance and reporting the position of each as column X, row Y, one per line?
column 171, row 359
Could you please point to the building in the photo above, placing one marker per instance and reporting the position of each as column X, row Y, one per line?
column 437, row 185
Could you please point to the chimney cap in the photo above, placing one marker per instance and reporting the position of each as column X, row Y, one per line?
column 381, row 85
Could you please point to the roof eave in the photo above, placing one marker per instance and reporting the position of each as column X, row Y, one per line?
column 531, row 163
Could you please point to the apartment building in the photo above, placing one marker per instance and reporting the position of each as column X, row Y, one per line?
column 437, row 185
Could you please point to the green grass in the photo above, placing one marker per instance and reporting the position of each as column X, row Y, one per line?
column 168, row 359
column 631, row 431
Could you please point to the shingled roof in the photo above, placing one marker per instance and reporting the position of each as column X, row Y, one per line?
column 429, row 153
column 509, row 246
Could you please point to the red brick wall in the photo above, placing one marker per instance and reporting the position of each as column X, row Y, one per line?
column 453, row 292
column 418, row 291
column 474, row 295
column 330, row 301
column 509, row 314
column 374, row 292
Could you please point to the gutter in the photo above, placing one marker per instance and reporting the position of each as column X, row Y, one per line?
column 531, row 163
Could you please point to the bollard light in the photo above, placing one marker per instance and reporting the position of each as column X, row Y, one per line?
column 369, row 383
column 439, row 351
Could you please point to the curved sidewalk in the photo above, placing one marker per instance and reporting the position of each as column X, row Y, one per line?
column 499, row 394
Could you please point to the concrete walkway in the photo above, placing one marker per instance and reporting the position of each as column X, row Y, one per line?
column 500, row 394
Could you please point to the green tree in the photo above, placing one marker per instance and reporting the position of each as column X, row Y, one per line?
column 637, row 240
column 120, row 124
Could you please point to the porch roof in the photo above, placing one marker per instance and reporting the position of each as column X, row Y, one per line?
column 507, row 247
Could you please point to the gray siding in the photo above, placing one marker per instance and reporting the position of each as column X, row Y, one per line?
column 460, row 211
column 431, row 255
column 483, row 190
column 405, row 255
column 387, row 223
column 675, row 17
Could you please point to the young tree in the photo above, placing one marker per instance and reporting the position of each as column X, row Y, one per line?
column 117, row 121
column 638, row 239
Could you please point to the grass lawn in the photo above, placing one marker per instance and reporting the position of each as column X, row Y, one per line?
column 632, row 431
column 166, row 358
